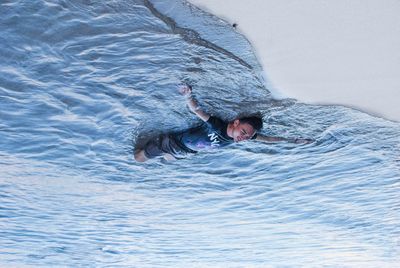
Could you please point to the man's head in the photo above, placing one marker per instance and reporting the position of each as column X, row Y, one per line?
column 244, row 128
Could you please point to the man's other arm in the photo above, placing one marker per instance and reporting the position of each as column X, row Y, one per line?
column 270, row 139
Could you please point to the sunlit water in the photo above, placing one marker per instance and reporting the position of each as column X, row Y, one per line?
column 81, row 82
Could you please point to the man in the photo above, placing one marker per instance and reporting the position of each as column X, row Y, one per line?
column 213, row 133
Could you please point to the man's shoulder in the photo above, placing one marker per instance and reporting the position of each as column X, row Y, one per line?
column 216, row 120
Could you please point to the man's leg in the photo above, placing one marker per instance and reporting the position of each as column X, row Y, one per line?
column 163, row 145
column 140, row 156
column 152, row 149
column 169, row 157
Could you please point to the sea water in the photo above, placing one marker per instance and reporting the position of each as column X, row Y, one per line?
column 84, row 82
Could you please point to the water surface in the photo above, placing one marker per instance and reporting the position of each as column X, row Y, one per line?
column 82, row 82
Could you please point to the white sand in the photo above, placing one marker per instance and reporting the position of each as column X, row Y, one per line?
column 343, row 52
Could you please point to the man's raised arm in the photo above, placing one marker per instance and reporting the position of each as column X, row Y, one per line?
column 186, row 91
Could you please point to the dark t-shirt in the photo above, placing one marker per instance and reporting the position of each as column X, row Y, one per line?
column 209, row 135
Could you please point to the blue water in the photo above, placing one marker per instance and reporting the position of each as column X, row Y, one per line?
column 82, row 82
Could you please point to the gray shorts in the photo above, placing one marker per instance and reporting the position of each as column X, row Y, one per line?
column 166, row 143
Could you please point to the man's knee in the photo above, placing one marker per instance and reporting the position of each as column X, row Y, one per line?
column 140, row 156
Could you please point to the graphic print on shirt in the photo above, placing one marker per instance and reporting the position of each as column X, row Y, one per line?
column 214, row 140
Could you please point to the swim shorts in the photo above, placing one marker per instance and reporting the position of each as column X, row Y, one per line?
column 166, row 143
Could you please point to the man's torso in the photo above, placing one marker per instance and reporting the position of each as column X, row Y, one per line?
column 209, row 135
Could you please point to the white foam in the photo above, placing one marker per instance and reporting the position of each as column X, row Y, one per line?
column 327, row 52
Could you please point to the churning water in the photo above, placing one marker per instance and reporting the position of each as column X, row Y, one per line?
column 82, row 82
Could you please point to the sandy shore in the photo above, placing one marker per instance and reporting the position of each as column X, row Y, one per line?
column 326, row 52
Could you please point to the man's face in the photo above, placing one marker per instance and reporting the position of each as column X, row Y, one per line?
column 242, row 131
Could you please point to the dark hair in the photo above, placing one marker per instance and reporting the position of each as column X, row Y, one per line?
column 255, row 121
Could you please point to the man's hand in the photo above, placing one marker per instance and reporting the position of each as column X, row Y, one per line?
column 185, row 90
